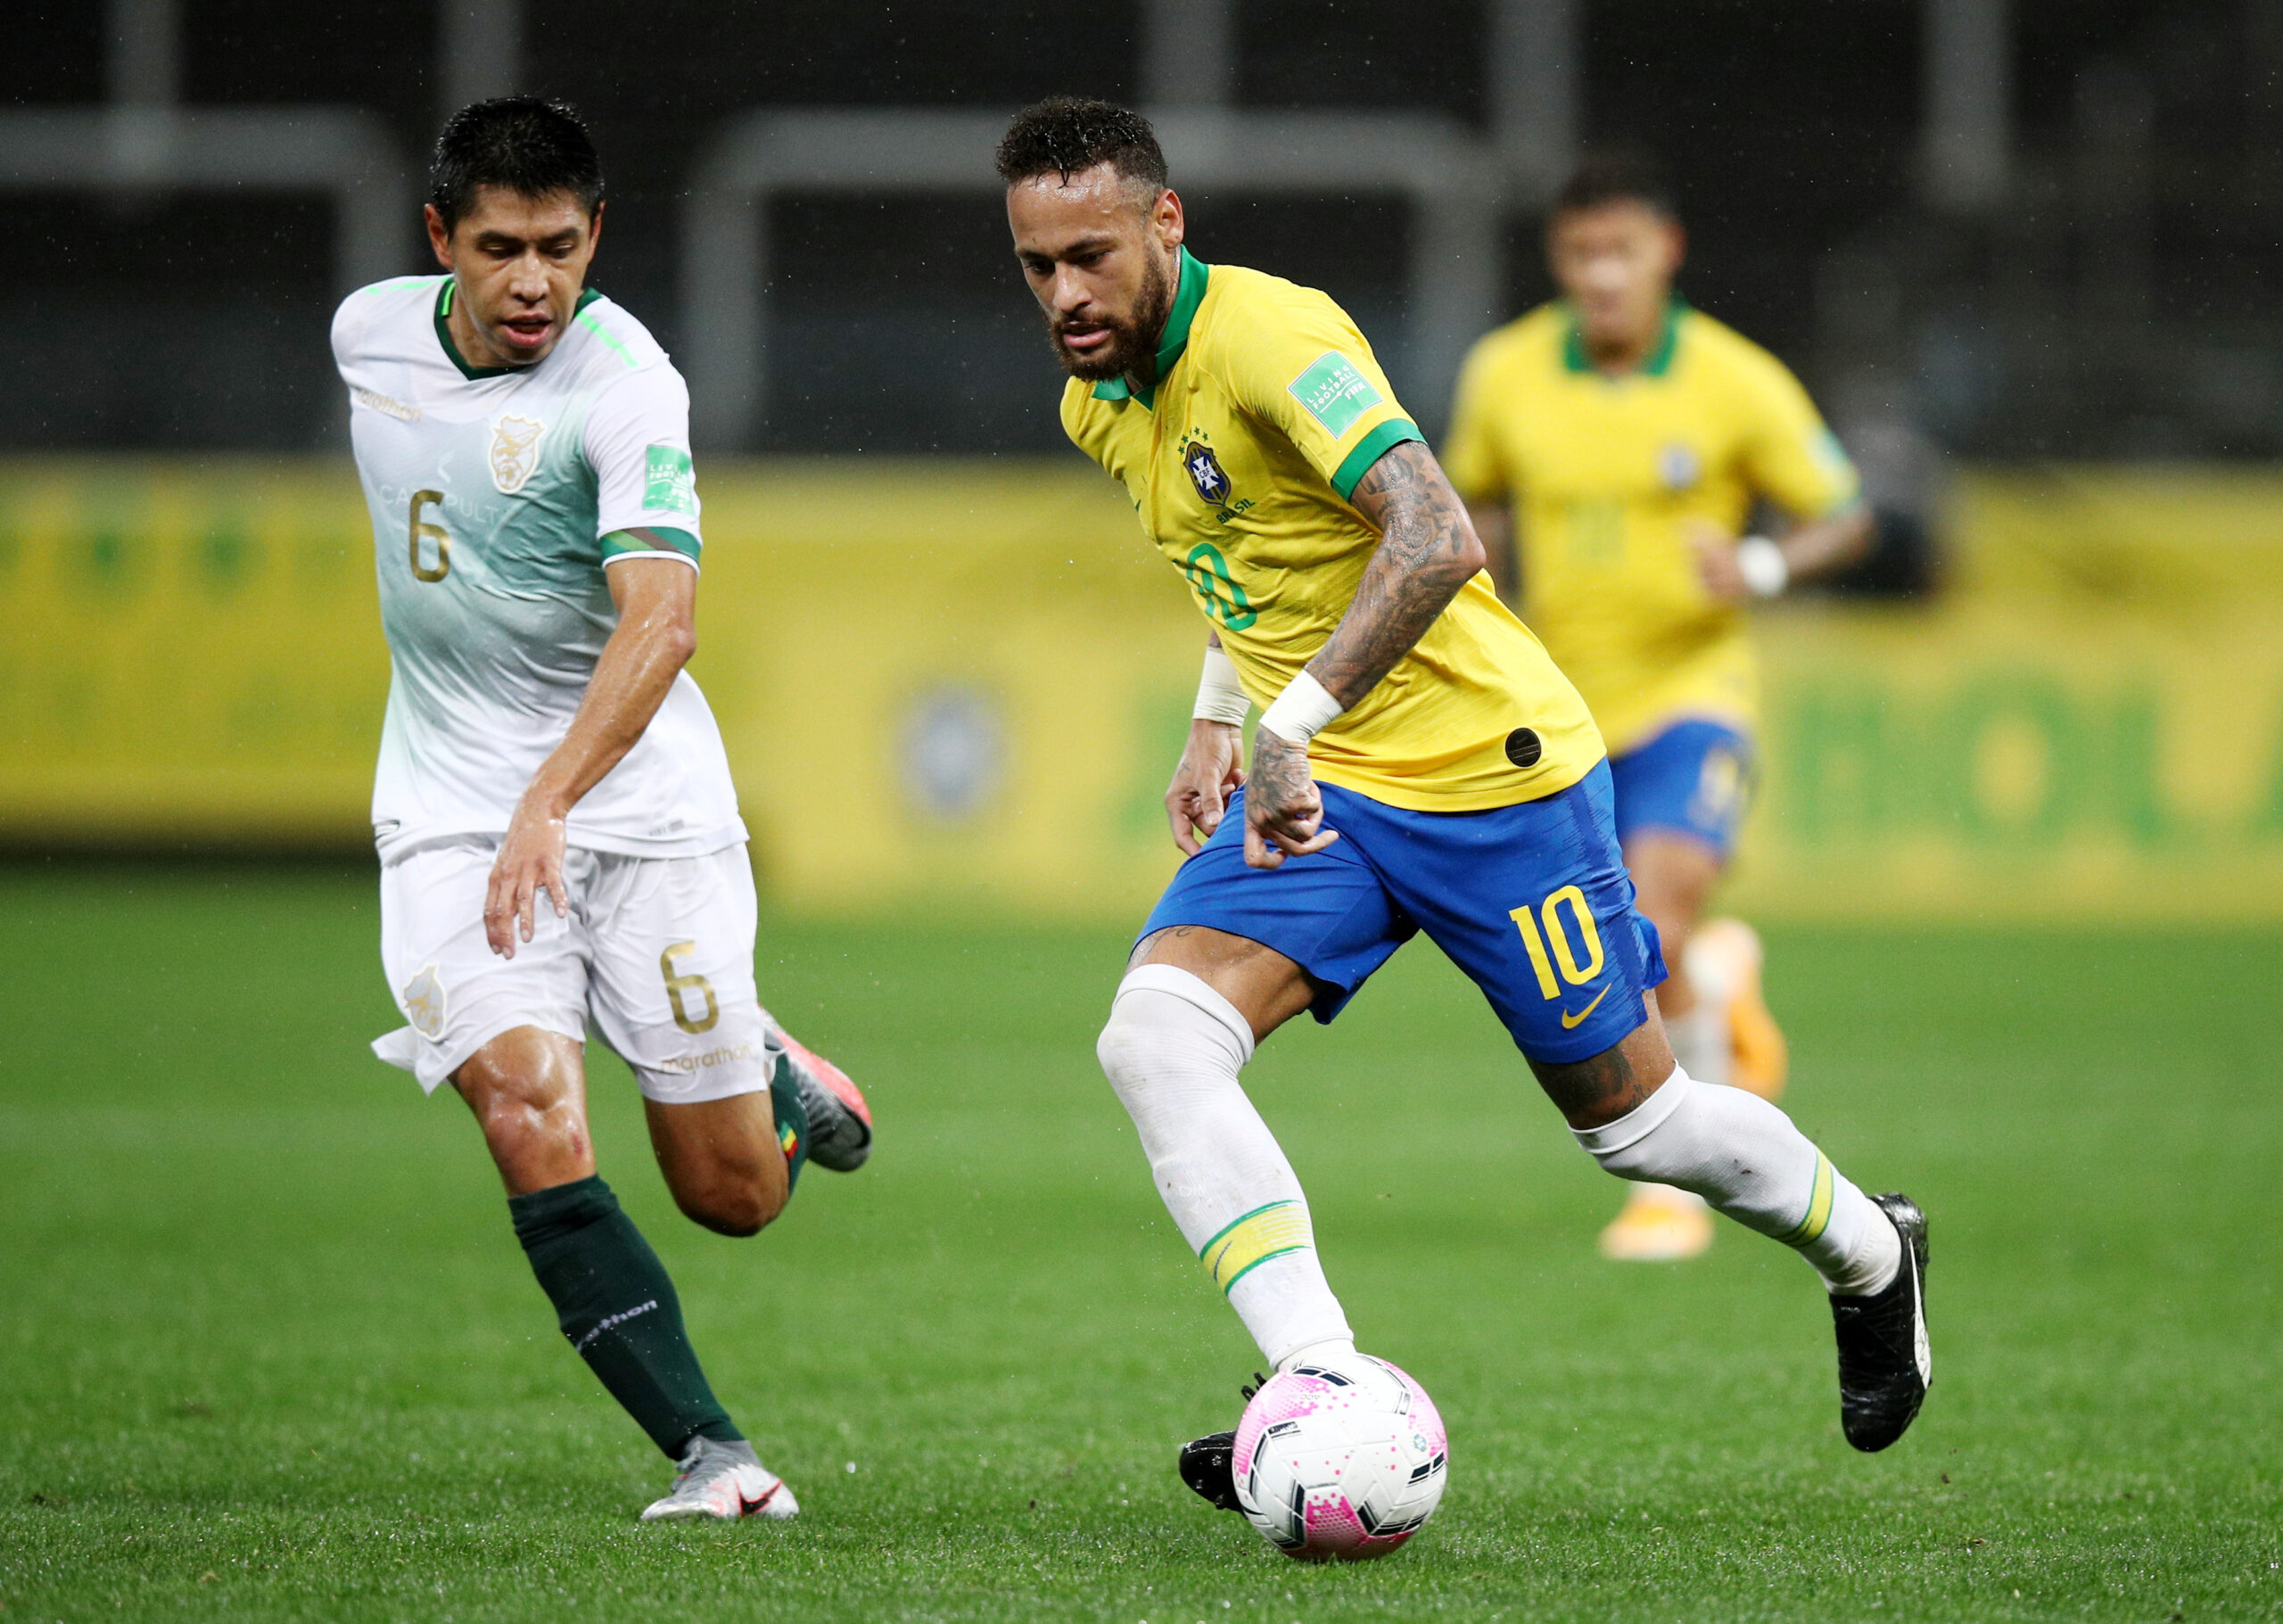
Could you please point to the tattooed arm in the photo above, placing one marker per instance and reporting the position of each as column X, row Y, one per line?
column 1428, row 550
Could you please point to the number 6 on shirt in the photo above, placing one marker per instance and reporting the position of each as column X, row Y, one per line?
column 433, row 532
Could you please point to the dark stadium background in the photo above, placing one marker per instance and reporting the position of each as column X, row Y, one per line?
column 2114, row 298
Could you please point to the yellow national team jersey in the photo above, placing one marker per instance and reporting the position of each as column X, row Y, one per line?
column 1606, row 476
column 1268, row 408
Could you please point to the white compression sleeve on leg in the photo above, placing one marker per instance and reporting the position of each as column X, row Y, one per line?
column 1172, row 1049
column 1744, row 1157
column 1700, row 1041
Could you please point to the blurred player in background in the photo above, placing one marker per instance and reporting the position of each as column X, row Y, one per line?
column 523, row 445
column 1611, row 447
column 1420, row 765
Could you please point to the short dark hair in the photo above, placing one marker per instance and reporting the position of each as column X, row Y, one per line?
column 1067, row 133
column 1617, row 175
column 531, row 147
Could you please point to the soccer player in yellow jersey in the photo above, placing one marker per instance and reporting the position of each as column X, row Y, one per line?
column 1613, row 444
column 1420, row 765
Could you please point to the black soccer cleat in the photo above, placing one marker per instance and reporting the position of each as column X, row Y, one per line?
column 1208, row 1465
column 1885, row 1364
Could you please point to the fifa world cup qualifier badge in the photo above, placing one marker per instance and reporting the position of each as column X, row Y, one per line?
column 1206, row 472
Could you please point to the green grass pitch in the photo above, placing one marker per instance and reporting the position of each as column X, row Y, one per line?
column 267, row 1349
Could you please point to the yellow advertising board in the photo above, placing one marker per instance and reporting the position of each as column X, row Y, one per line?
column 963, row 684
column 2087, row 724
column 192, row 653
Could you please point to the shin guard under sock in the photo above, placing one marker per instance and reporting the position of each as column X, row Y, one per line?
column 618, row 1308
column 1172, row 1049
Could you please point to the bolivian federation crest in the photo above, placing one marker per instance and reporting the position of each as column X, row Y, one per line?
column 424, row 1004
column 514, row 452
column 1205, row 474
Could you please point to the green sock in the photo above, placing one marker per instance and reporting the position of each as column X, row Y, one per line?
column 615, row 1303
column 791, row 1122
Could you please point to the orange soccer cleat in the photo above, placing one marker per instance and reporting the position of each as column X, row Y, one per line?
column 1658, row 1225
column 1723, row 961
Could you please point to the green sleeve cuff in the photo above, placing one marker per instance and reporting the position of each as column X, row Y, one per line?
column 620, row 542
column 1368, row 450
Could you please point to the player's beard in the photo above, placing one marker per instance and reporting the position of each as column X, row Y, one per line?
column 1133, row 343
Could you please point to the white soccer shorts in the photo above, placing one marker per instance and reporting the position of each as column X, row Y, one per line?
column 656, row 952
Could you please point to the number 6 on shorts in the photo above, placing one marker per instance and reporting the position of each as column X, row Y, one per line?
column 678, row 986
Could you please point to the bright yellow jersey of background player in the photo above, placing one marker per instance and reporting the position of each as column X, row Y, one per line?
column 1268, row 408
column 1606, row 476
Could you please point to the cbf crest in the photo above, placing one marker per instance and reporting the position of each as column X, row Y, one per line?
column 514, row 452
column 1679, row 465
column 1206, row 472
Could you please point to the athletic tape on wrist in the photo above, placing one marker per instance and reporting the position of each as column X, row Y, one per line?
column 1219, row 696
column 1762, row 565
column 1302, row 711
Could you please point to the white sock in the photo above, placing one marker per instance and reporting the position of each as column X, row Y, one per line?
column 1699, row 1043
column 1172, row 1049
column 1744, row 1156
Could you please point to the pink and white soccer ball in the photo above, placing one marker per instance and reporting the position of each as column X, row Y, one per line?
column 1340, row 1464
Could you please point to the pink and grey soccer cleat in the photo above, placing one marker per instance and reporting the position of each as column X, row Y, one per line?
column 840, row 1123
column 719, row 1482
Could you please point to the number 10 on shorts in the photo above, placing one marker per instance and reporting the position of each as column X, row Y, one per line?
column 1556, row 932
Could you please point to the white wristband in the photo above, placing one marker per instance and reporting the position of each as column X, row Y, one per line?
column 1302, row 711
column 1219, row 696
column 1760, row 562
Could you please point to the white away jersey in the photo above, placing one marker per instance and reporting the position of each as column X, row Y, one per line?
column 490, row 491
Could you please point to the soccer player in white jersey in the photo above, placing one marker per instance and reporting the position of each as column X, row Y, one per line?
column 523, row 445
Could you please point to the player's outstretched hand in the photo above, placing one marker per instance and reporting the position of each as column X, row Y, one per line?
column 530, row 861
column 1283, row 811
column 1212, row 765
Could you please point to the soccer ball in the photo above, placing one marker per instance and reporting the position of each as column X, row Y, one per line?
column 1341, row 1464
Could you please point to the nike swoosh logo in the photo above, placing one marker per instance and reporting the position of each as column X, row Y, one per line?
column 1920, row 1353
column 1569, row 1021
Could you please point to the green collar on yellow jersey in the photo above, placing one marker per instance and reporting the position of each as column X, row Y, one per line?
column 1660, row 357
column 1194, row 275
column 444, row 296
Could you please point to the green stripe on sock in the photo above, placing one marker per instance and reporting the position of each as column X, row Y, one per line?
column 1256, row 1263
column 1810, row 1228
column 1264, row 1232
column 1222, row 1233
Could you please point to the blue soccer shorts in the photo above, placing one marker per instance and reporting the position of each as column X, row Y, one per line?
column 1694, row 779
column 1532, row 901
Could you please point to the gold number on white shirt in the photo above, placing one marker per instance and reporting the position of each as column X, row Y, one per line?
column 422, row 530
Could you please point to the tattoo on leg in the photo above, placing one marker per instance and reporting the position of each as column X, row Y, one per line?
column 1592, row 1092
column 1147, row 944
